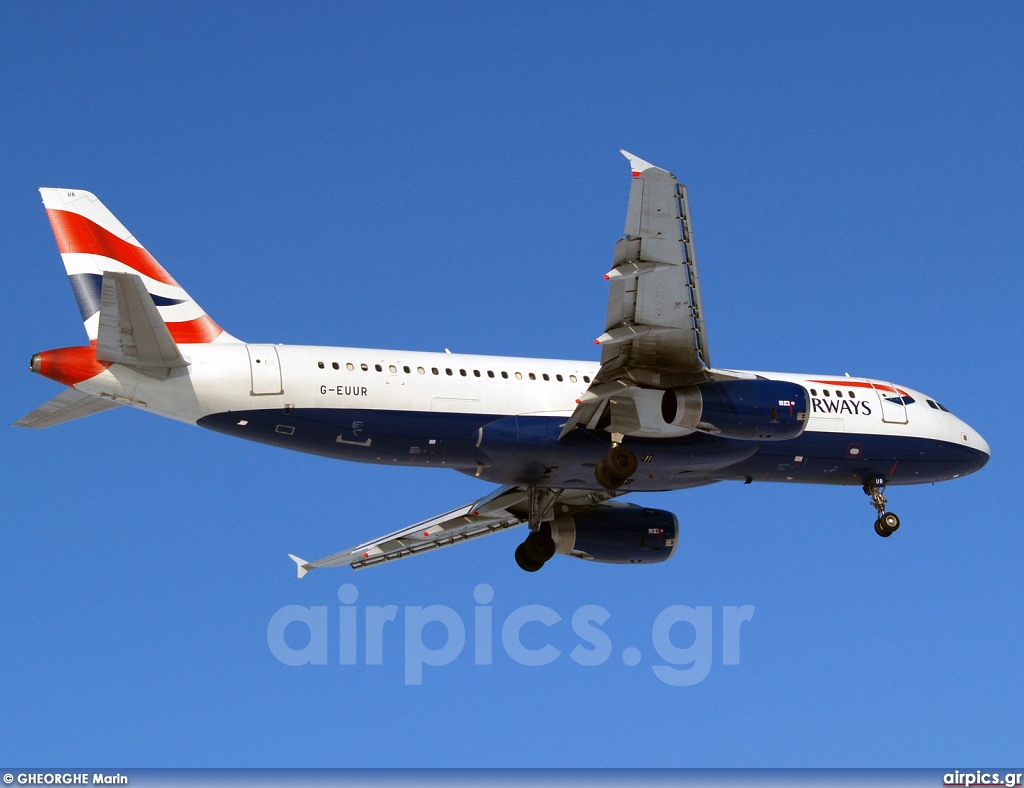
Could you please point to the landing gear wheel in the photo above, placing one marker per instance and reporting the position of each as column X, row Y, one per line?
column 536, row 549
column 524, row 561
column 539, row 546
column 887, row 522
column 607, row 479
column 621, row 461
column 616, row 467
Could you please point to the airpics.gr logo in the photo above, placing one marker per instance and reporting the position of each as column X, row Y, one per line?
column 436, row 635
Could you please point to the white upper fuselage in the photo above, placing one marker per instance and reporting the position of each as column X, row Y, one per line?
column 220, row 379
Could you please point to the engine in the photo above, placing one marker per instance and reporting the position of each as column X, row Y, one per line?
column 744, row 409
column 621, row 535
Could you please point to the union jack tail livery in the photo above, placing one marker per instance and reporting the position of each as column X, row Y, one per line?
column 135, row 316
column 93, row 242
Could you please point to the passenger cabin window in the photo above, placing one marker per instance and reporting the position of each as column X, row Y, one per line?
column 334, row 364
column 839, row 393
column 558, row 378
column 546, row 376
column 532, row 376
column 572, row 378
column 364, row 368
column 378, row 367
column 320, row 364
column 852, row 395
column 490, row 373
column 504, row 374
column 350, row 366
column 421, row 370
column 519, row 376
column 434, row 371
column 586, row 378
column 392, row 368
column 406, row 370
column 462, row 372
column 448, row 371
column 814, row 392
column 476, row 373
column 825, row 392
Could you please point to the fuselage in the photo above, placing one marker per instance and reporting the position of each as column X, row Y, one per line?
column 499, row 418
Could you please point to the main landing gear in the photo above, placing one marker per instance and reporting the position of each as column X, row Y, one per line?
column 616, row 467
column 532, row 554
column 887, row 522
column 539, row 546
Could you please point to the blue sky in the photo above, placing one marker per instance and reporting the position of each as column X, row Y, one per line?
column 445, row 175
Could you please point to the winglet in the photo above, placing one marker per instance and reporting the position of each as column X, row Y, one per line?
column 636, row 164
column 302, row 564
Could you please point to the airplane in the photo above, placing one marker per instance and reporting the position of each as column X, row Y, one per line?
column 564, row 440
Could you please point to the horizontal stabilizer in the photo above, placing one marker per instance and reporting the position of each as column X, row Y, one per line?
column 131, row 330
column 302, row 565
column 66, row 406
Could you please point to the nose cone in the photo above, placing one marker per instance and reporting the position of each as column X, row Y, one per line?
column 980, row 451
column 981, row 445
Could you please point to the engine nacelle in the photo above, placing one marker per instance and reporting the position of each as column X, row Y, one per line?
column 620, row 535
column 766, row 410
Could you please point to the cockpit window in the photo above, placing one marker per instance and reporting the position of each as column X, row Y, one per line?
column 932, row 404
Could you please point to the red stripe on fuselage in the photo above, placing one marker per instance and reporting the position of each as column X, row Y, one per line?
column 75, row 233
column 858, row 385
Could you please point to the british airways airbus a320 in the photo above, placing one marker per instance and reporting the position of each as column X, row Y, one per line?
column 565, row 439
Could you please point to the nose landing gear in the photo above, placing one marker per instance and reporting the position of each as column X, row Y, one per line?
column 887, row 522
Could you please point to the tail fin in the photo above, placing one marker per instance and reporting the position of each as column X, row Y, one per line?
column 91, row 240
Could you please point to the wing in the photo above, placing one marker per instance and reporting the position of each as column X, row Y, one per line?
column 504, row 508
column 654, row 330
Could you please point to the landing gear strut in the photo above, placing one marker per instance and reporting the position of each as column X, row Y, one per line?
column 532, row 554
column 887, row 522
column 616, row 467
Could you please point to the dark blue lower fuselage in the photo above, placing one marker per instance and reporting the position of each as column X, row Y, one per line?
column 525, row 450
